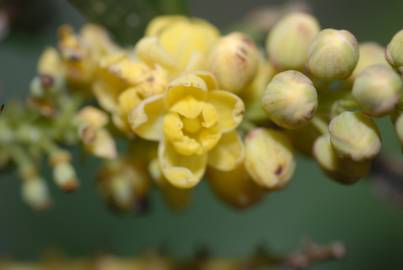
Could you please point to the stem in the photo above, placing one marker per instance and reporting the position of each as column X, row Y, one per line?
column 320, row 125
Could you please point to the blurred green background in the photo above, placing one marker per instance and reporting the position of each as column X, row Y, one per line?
column 313, row 206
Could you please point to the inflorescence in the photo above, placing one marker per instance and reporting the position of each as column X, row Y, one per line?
column 190, row 103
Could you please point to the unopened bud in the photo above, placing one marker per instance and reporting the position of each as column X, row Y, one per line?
column 35, row 193
column 394, row 51
column 236, row 187
column 288, row 42
column 124, row 185
column 371, row 53
column 398, row 124
column 342, row 170
column 333, row 55
column 290, row 99
column 355, row 136
column 377, row 90
column 269, row 158
column 234, row 61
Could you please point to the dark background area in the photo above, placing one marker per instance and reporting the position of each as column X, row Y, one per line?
column 79, row 224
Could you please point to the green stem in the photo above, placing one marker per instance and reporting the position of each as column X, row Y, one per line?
column 320, row 125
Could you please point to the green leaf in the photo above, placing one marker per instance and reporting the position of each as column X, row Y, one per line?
column 127, row 19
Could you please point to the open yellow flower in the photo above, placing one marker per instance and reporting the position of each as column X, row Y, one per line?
column 177, row 43
column 123, row 82
column 195, row 124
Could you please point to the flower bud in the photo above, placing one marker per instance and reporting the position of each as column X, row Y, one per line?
column 398, row 124
column 303, row 139
column 234, row 61
column 236, row 187
column 371, row 53
column 377, row 90
column 124, row 185
column 333, row 54
column 290, row 99
column 63, row 172
column 35, row 193
column 394, row 51
column 268, row 158
column 354, row 135
column 288, row 42
column 344, row 171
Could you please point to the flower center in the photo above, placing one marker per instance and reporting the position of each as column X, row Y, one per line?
column 190, row 127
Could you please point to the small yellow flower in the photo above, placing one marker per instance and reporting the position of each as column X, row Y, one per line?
column 81, row 52
column 195, row 125
column 122, row 83
column 178, row 43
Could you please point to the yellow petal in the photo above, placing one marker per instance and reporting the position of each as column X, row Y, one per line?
column 128, row 100
column 210, row 115
column 159, row 23
column 228, row 153
column 103, row 146
column 188, row 107
column 92, row 117
column 181, row 171
column 230, row 109
column 209, row 138
column 185, row 39
column 147, row 118
column 208, row 78
column 186, row 85
column 150, row 51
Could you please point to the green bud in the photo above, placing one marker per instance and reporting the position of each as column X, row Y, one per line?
column 371, row 53
column 269, row 158
column 342, row 170
column 35, row 193
column 290, row 99
column 355, row 136
column 377, row 90
column 333, row 54
column 394, row 51
column 234, row 61
column 288, row 42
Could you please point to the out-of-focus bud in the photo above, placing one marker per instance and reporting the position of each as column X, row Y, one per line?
column 290, row 99
column 35, row 193
column 234, row 61
column 397, row 120
column 63, row 172
column 342, row 170
column 124, row 185
column 50, row 63
column 97, row 140
column 177, row 199
column 269, row 158
column 333, row 55
column 377, row 90
column 394, row 51
column 221, row 264
column 355, row 136
column 371, row 53
column 288, row 42
column 303, row 138
column 236, row 187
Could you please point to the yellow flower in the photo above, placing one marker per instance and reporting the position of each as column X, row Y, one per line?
column 195, row 125
column 178, row 43
column 81, row 52
column 122, row 83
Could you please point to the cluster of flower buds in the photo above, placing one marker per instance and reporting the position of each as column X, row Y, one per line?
column 191, row 103
column 311, row 254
